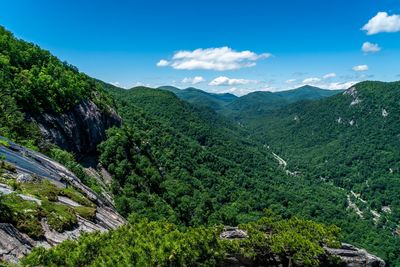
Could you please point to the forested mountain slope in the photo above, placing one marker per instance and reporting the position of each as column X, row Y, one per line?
column 202, row 168
column 224, row 177
column 46, row 199
column 351, row 140
column 253, row 105
column 35, row 84
column 192, row 95
column 258, row 104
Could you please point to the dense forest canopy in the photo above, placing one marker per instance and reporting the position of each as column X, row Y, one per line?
column 229, row 178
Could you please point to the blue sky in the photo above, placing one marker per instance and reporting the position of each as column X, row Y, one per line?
column 218, row 46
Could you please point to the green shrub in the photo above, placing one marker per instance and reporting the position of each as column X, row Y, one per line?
column 142, row 244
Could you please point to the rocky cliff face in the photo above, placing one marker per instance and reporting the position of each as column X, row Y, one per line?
column 80, row 129
column 28, row 166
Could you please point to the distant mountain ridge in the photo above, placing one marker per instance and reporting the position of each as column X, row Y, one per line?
column 199, row 97
column 250, row 105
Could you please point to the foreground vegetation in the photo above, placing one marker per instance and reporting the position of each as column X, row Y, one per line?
column 144, row 243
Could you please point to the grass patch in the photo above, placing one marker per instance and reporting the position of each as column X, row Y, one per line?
column 88, row 213
column 43, row 190
column 24, row 215
column 59, row 217
column 7, row 179
column 76, row 196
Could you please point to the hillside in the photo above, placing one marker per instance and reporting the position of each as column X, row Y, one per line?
column 258, row 104
column 216, row 102
column 231, row 178
column 351, row 140
column 46, row 105
column 251, row 106
column 35, row 83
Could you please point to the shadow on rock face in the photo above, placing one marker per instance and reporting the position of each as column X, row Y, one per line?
column 78, row 130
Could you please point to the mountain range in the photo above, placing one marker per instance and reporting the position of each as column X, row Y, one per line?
column 255, row 104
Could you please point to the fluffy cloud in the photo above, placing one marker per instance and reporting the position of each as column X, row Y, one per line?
column 360, row 68
column 194, row 80
column 311, row 80
column 324, row 83
column 162, row 63
column 368, row 47
column 329, row 75
column 222, row 80
column 328, row 86
column 382, row 22
column 220, row 59
column 339, row 85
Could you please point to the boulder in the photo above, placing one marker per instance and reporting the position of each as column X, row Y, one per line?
column 233, row 233
column 356, row 257
column 25, row 178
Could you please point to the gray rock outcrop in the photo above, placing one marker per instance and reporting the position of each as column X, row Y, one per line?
column 233, row 233
column 355, row 257
column 80, row 129
column 28, row 163
column 13, row 244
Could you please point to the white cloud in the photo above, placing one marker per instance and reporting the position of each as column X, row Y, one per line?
column 116, row 84
column 194, row 80
column 325, row 85
column 339, row 85
column 220, row 59
column 329, row 75
column 222, row 80
column 368, row 47
column 382, row 22
column 138, row 84
column 311, row 80
column 360, row 68
column 290, row 81
column 162, row 63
